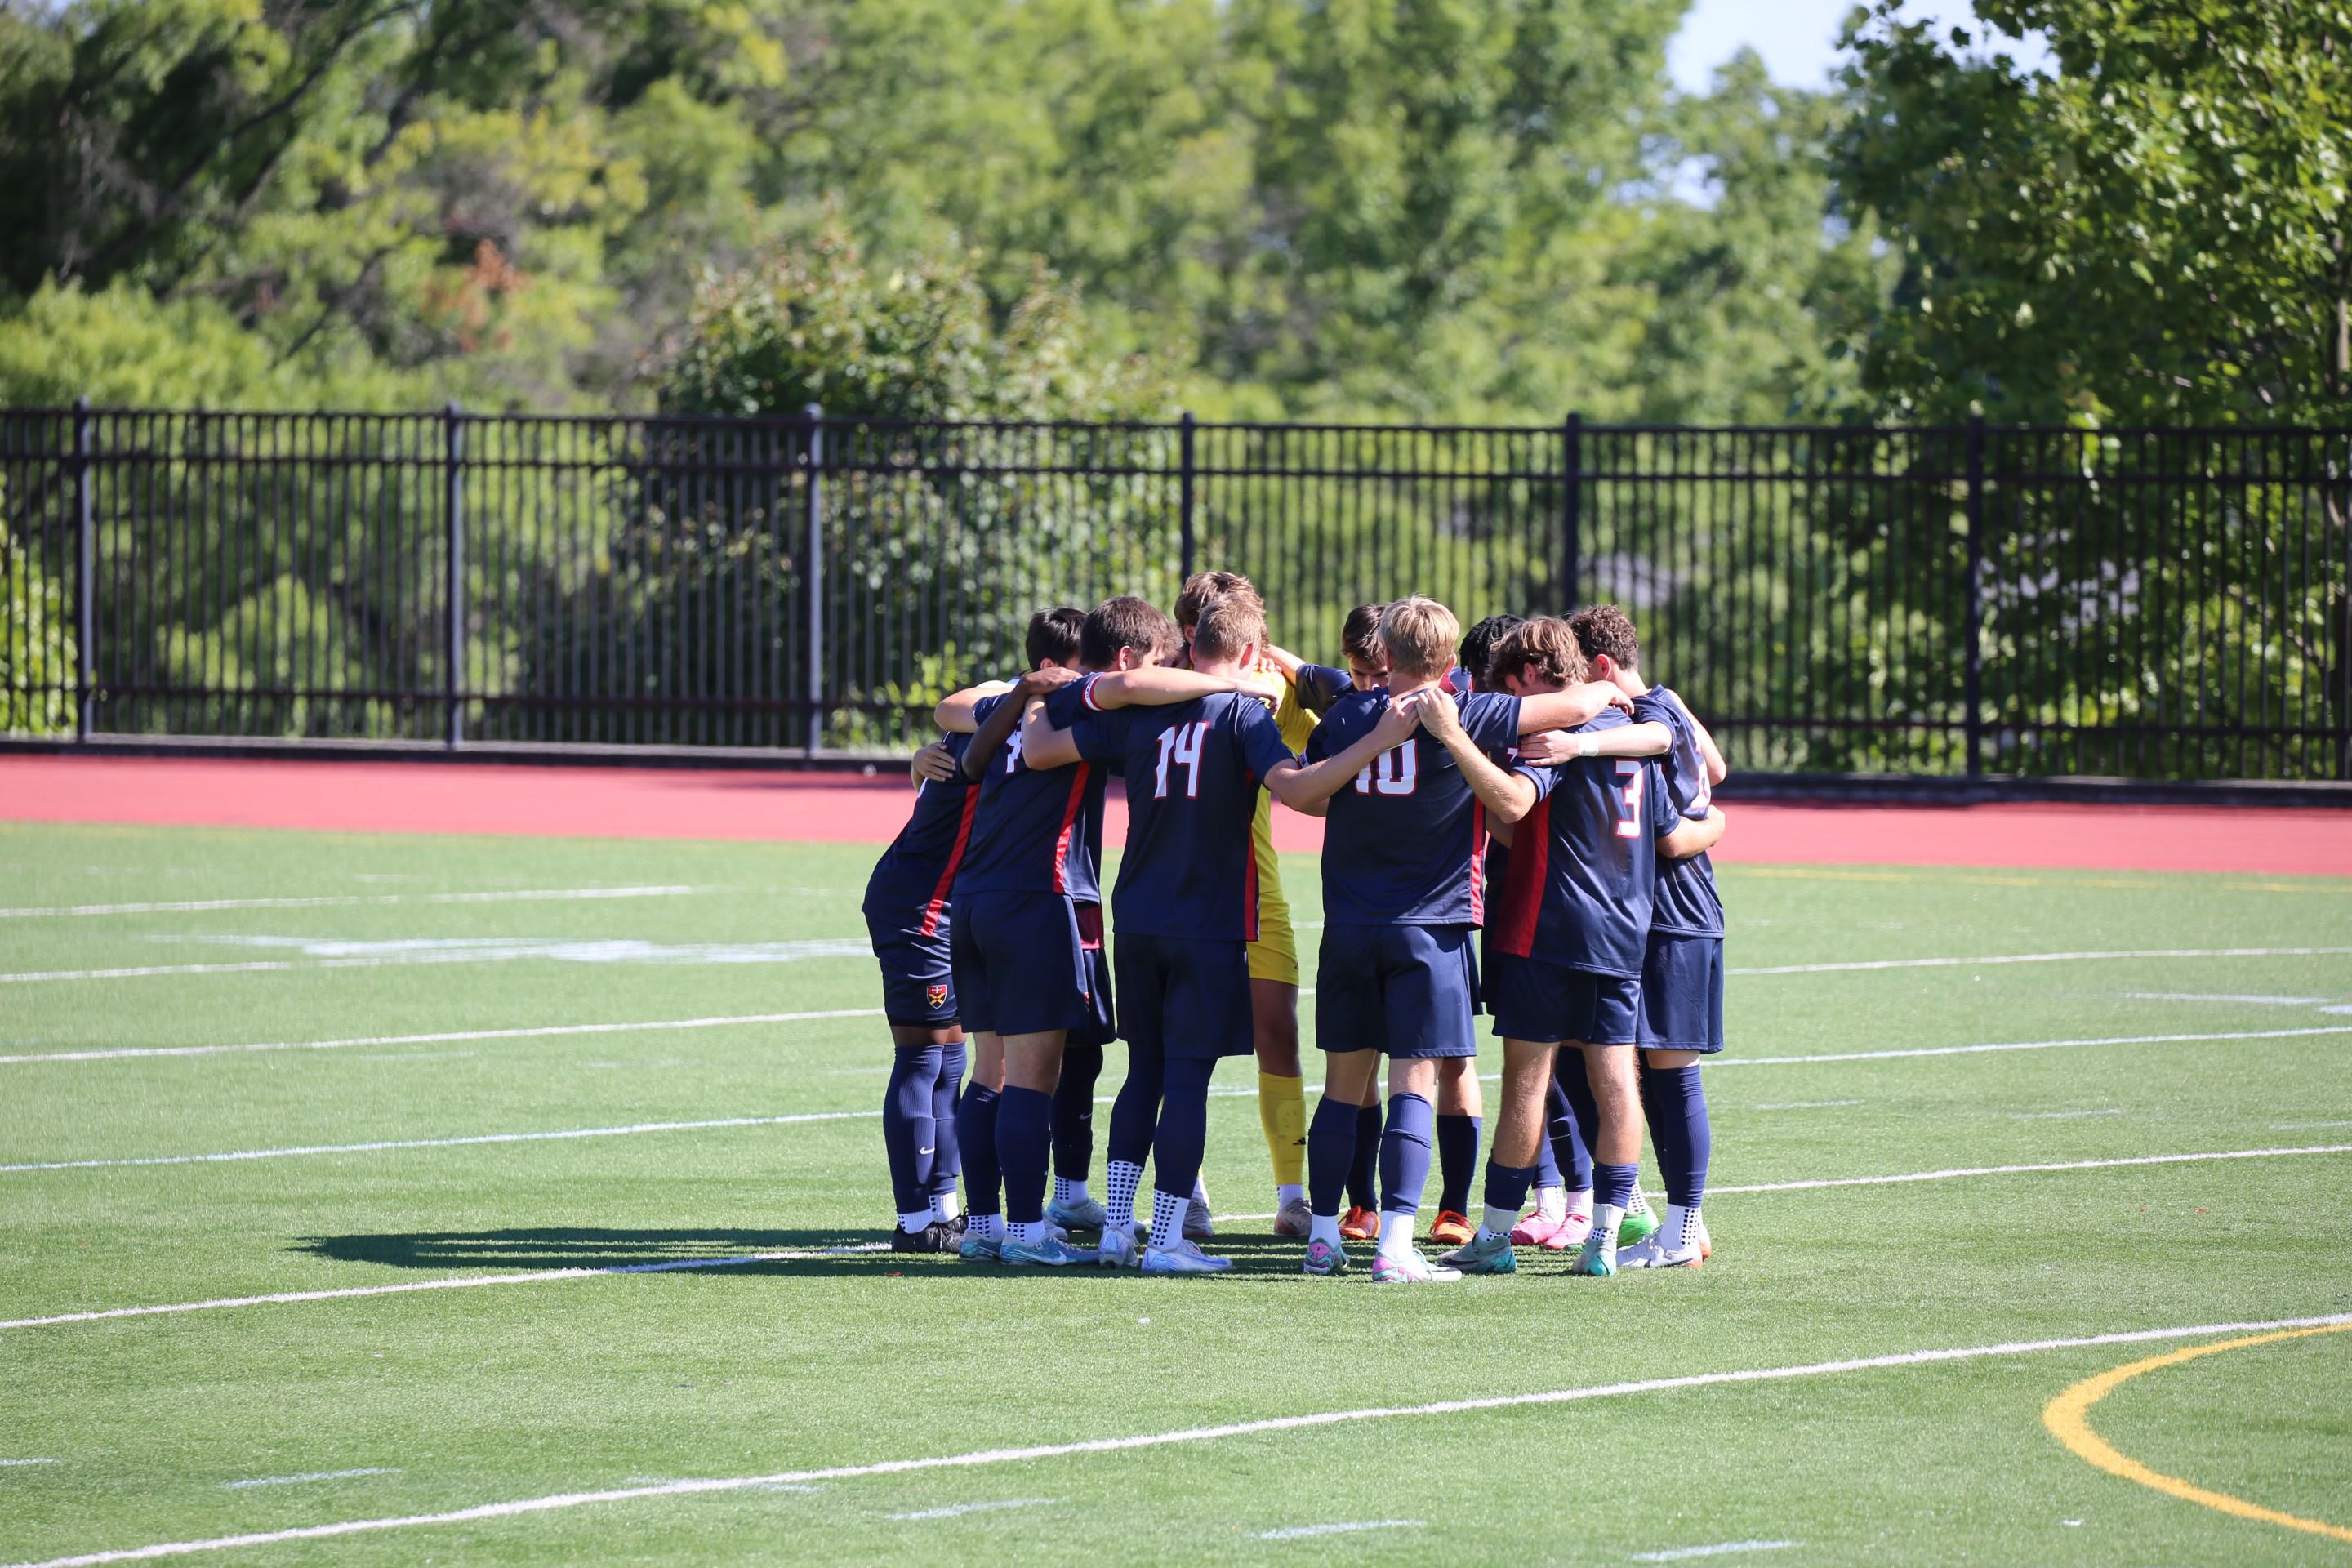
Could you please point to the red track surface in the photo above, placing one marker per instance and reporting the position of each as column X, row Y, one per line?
column 683, row 802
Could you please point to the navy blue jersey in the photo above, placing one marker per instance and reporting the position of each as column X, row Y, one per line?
column 1193, row 771
column 1401, row 845
column 1034, row 832
column 1687, row 901
column 1584, row 862
column 1319, row 686
column 909, row 889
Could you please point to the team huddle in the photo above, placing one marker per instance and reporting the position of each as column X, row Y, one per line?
column 1516, row 823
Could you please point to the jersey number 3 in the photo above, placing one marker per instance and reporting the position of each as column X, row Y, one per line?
column 1180, row 743
column 1392, row 773
column 1630, row 775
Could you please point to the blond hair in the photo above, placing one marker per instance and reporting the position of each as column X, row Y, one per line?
column 1419, row 635
column 1226, row 625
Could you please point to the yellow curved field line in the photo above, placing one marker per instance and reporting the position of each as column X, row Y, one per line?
column 2068, row 1419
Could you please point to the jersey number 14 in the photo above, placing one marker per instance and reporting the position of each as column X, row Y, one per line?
column 1180, row 744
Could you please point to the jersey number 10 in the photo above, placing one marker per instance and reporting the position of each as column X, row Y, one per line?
column 1392, row 773
column 1180, row 743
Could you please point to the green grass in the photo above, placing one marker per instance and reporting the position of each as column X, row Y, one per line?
column 522, row 1390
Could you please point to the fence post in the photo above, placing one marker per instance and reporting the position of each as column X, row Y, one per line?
column 453, row 681
column 1185, row 499
column 1972, row 610
column 814, row 575
column 1572, row 509
column 85, row 575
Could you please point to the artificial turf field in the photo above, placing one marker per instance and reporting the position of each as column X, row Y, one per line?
column 130, row 1431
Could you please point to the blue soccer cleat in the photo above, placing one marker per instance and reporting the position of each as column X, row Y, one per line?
column 1046, row 1252
column 1085, row 1215
column 1485, row 1253
column 1184, row 1258
column 978, row 1248
column 1118, row 1249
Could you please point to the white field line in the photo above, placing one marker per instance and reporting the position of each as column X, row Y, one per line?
column 1956, row 1175
column 495, row 895
column 989, row 1457
column 1721, row 1549
column 2299, row 1126
column 445, row 1142
column 1801, row 1105
column 313, row 1475
column 1304, row 1532
column 1867, row 963
column 2226, row 996
column 339, row 954
column 1731, row 1061
column 2064, row 1115
column 541, row 1032
column 6, row 1463
column 459, row 1282
column 475, row 1281
column 959, row 1509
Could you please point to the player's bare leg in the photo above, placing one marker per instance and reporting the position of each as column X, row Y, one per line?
column 1281, row 1098
column 1610, row 1071
column 1461, row 1110
column 1349, row 1080
column 1519, row 1128
column 1033, row 1067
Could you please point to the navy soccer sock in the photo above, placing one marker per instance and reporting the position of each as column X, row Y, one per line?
column 908, row 1132
column 1404, row 1158
column 1363, row 1185
column 1136, row 1112
column 1547, row 1166
column 1506, row 1193
column 976, row 1133
column 1565, row 1139
column 1458, row 1161
column 1675, row 1102
column 1183, row 1134
column 1023, row 1135
column 1331, row 1152
column 1612, row 1185
column 946, row 1101
column 1583, row 1109
column 1074, row 1112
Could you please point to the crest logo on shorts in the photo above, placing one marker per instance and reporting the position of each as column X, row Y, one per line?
column 936, row 995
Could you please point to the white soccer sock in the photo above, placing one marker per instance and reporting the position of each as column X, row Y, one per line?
column 1025, row 1231
column 1124, row 1177
column 1287, row 1193
column 1065, row 1192
column 1606, row 1218
column 1580, row 1202
column 1641, row 1204
column 1396, row 1234
column 1680, row 1233
column 912, row 1222
column 987, row 1227
column 1500, row 1222
column 1325, row 1228
column 946, row 1206
column 1199, row 1192
column 1552, row 1202
column 1168, row 1220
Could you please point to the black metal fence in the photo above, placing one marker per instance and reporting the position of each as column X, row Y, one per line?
column 2172, row 604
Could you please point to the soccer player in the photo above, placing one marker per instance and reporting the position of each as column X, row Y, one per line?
column 907, row 914
column 1186, row 904
column 1682, row 968
column 1400, row 893
column 1273, row 948
column 1569, row 936
column 1026, row 952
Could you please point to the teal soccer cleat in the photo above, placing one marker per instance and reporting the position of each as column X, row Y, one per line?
column 1599, row 1258
column 1325, row 1259
column 978, row 1248
column 1484, row 1254
column 1049, row 1252
column 1084, row 1215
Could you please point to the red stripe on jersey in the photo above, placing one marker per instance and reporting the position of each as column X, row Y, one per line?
column 938, row 906
column 1070, row 816
column 1477, row 862
column 1523, row 884
column 1087, row 693
column 1249, row 895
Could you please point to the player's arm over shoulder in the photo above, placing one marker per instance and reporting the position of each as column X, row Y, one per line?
column 958, row 713
column 1693, row 836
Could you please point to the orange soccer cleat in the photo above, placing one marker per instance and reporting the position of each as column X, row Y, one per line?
column 1452, row 1229
column 1359, row 1224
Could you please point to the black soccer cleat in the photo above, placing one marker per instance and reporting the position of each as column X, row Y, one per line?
column 936, row 1236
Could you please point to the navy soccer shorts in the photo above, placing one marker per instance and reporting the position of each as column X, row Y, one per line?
column 1023, row 968
column 1682, row 994
column 1548, row 1002
column 1407, row 990
column 918, row 980
column 1186, row 997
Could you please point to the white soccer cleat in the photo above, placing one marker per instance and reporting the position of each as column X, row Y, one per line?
column 1412, row 1268
column 1198, row 1227
column 1184, row 1258
column 1118, row 1250
column 1652, row 1252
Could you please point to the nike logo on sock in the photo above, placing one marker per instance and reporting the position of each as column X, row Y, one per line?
column 926, row 1151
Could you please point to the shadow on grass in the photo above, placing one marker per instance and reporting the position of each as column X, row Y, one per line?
column 813, row 1252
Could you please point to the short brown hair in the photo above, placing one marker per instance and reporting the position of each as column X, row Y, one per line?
column 1360, row 635
column 1124, row 622
column 1419, row 635
column 1542, row 649
column 1606, row 628
column 1225, row 625
column 1202, row 586
column 1054, row 633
